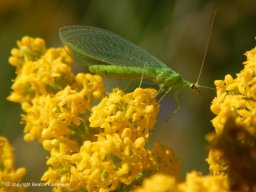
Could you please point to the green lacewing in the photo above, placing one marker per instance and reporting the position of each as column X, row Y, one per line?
column 109, row 54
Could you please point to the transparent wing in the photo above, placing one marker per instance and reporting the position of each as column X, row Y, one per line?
column 105, row 46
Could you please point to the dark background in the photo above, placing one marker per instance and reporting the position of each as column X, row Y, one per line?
column 174, row 31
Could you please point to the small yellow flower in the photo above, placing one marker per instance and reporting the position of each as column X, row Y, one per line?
column 8, row 174
column 195, row 182
column 54, row 99
column 113, row 158
column 136, row 111
column 216, row 161
column 233, row 148
column 29, row 49
column 60, row 160
column 52, row 116
column 158, row 183
column 40, row 71
column 163, row 161
column 105, row 163
column 236, row 97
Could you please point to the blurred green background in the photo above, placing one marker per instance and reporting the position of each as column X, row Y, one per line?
column 174, row 31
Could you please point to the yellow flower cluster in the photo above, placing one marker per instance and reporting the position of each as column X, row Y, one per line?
column 194, row 182
column 102, row 151
column 163, row 160
column 237, row 97
column 118, row 157
column 198, row 183
column 158, row 183
column 54, row 99
column 40, row 71
column 126, row 120
column 234, row 143
column 51, row 116
column 8, row 174
column 134, row 113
